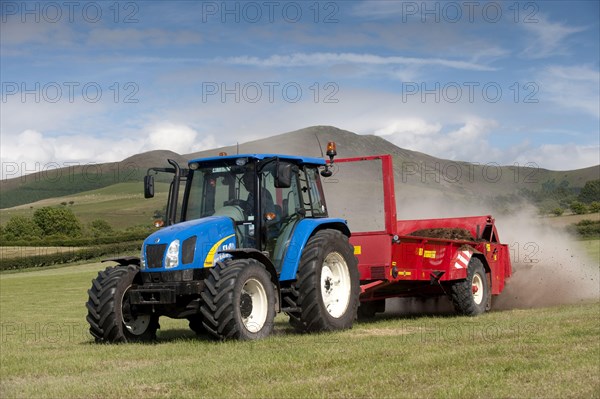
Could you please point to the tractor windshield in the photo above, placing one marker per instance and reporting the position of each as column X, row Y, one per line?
column 221, row 190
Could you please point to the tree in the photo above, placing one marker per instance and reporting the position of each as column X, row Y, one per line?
column 595, row 207
column 61, row 221
column 558, row 211
column 21, row 227
column 590, row 192
column 578, row 208
column 100, row 227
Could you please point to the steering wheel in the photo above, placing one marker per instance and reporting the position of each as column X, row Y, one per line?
column 238, row 202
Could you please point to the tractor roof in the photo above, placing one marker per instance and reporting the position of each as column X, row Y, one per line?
column 295, row 159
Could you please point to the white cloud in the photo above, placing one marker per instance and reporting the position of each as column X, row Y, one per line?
column 567, row 156
column 416, row 126
column 576, row 87
column 178, row 138
column 319, row 59
column 17, row 34
column 32, row 151
column 468, row 142
column 141, row 37
column 548, row 38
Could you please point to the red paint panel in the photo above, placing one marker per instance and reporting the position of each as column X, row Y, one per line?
column 371, row 250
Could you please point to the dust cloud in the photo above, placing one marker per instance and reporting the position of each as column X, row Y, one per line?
column 550, row 267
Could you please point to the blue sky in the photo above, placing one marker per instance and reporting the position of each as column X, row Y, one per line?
column 505, row 82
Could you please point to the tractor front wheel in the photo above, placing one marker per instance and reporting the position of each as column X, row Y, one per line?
column 327, row 284
column 238, row 300
column 111, row 315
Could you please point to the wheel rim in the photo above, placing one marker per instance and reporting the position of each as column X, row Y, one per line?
column 335, row 284
column 254, row 305
column 477, row 288
column 134, row 325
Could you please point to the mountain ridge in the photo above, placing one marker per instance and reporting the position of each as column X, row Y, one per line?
column 424, row 174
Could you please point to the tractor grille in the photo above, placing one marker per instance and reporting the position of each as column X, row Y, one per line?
column 155, row 254
column 188, row 248
column 378, row 273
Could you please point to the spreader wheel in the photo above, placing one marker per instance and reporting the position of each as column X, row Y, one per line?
column 470, row 297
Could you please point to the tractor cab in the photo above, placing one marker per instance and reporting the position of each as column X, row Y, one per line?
column 265, row 196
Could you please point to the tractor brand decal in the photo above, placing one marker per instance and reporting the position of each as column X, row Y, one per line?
column 213, row 257
column 429, row 254
column 419, row 251
column 357, row 250
column 404, row 273
column 462, row 259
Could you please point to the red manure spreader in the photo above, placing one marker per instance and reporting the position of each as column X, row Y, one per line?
column 460, row 257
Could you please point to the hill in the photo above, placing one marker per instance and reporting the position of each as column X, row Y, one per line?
column 419, row 177
column 61, row 182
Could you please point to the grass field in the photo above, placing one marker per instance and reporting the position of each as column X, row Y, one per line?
column 46, row 351
column 592, row 247
column 121, row 205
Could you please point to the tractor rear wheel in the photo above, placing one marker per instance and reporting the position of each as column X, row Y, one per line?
column 111, row 316
column 327, row 284
column 238, row 300
column 471, row 296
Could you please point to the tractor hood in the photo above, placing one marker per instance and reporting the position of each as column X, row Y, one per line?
column 193, row 244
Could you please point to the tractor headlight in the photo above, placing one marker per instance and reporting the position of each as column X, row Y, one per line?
column 142, row 259
column 172, row 259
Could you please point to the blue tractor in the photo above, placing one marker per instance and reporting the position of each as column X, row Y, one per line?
column 244, row 237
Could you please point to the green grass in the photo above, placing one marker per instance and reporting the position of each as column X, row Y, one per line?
column 121, row 205
column 592, row 247
column 46, row 352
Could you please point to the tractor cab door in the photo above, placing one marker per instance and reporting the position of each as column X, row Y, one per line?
column 303, row 198
column 282, row 209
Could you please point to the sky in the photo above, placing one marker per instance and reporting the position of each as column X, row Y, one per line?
column 94, row 81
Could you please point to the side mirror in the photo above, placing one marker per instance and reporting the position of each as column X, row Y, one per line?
column 148, row 186
column 283, row 177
